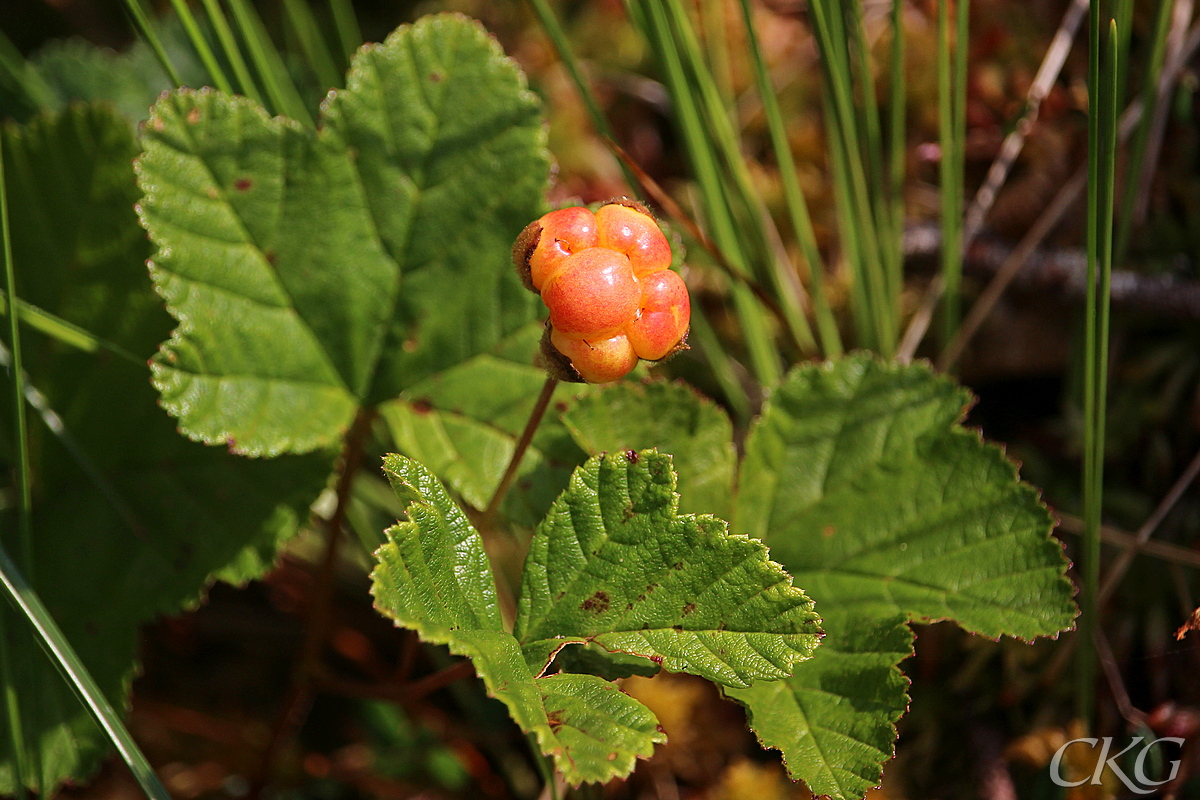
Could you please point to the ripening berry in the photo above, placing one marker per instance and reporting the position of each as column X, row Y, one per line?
column 663, row 317
column 564, row 233
column 635, row 234
column 597, row 361
column 593, row 295
column 605, row 278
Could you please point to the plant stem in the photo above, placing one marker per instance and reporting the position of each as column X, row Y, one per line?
column 514, row 463
column 299, row 698
column 14, row 708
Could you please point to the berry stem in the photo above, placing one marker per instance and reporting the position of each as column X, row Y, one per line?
column 510, row 472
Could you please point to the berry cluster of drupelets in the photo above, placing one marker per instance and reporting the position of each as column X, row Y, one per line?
column 607, row 281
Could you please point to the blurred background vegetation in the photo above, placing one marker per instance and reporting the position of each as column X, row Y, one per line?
column 986, row 716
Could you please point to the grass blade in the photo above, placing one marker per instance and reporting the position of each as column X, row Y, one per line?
column 63, row 655
column 830, row 338
column 316, row 49
column 1103, row 70
column 951, row 68
column 201, row 46
column 21, row 754
column 233, row 53
column 345, row 23
column 1141, row 137
column 897, row 102
column 145, row 29
column 66, row 332
column 280, row 90
column 21, row 74
column 857, row 218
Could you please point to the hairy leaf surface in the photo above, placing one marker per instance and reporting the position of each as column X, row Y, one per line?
column 861, row 478
column 314, row 273
column 432, row 575
column 613, row 563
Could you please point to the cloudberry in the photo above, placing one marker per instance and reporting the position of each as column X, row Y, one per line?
column 607, row 281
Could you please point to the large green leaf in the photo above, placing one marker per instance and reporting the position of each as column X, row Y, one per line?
column 613, row 563
column 314, row 273
column 130, row 519
column 673, row 418
column 463, row 424
column 861, row 478
column 433, row 576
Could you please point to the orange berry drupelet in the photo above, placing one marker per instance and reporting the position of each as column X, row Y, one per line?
column 607, row 281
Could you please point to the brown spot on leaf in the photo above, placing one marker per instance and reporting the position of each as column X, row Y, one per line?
column 689, row 608
column 193, row 116
column 597, row 603
column 612, row 756
column 422, row 405
column 677, row 565
column 436, row 76
column 554, row 718
column 828, row 531
column 271, row 256
column 657, row 659
column 242, row 184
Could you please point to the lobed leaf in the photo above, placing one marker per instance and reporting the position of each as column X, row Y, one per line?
column 432, row 575
column 861, row 478
column 614, row 564
column 314, row 273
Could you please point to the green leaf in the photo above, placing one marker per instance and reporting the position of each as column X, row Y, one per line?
column 613, row 563
column 315, row 273
column 433, row 576
column 131, row 520
column 466, row 436
column 673, row 418
column 863, row 481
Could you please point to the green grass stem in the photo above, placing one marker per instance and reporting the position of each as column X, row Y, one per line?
column 14, row 708
column 21, row 74
column 764, row 358
column 233, row 52
column 345, row 24
column 76, row 674
column 549, row 22
column 279, row 89
column 66, row 332
column 897, row 153
column 952, row 46
column 1141, row 136
column 797, row 206
column 145, row 29
column 858, row 216
column 706, row 342
column 312, row 43
column 200, row 44
column 738, row 194
column 1103, row 70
